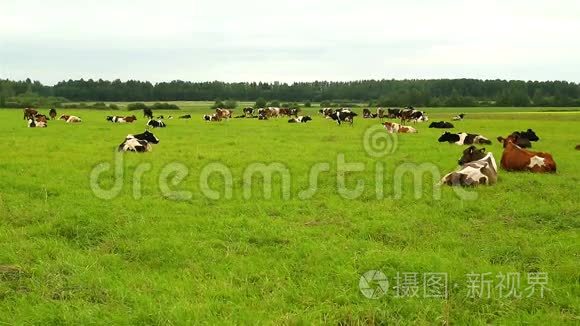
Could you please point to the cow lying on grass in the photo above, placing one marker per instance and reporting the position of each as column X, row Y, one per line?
column 138, row 143
column 70, row 118
column 441, row 125
column 156, row 123
column 463, row 138
column 393, row 127
column 300, row 119
column 515, row 158
column 36, row 124
column 477, row 168
column 524, row 138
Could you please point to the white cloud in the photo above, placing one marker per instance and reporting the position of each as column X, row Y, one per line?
column 289, row 40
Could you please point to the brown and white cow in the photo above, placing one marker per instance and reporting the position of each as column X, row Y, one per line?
column 393, row 127
column 70, row 118
column 223, row 113
column 515, row 158
column 130, row 119
column 36, row 124
column 477, row 168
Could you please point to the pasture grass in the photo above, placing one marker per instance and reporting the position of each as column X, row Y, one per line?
column 71, row 258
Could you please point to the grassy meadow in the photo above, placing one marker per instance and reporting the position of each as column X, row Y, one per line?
column 70, row 257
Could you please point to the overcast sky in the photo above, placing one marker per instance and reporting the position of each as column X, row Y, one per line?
column 268, row 40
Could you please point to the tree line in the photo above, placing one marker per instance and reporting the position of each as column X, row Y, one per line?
column 420, row 92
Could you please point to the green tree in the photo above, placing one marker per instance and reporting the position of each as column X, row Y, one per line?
column 260, row 103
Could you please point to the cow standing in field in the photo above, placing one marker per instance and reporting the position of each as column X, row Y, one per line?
column 52, row 113
column 343, row 115
column 381, row 113
column 147, row 113
column 477, row 168
column 463, row 138
column 187, row 116
column 515, row 158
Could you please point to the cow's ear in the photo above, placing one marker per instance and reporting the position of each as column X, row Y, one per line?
column 482, row 150
column 500, row 139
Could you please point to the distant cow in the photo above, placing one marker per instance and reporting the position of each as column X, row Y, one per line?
column 394, row 113
column 463, row 138
column 294, row 112
column 366, row 113
column 52, row 113
column 459, row 117
column 393, row 127
column 300, row 119
column 41, row 117
column 343, row 116
column 138, row 143
column 515, row 158
column 29, row 113
column 70, row 118
column 147, row 113
column 381, row 113
column 326, row 112
column 477, row 168
column 156, row 123
column 223, row 113
column 130, row 119
column 36, row 124
column 187, row 116
column 115, row 119
column 213, row 117
column 441, row 125
column 413, row 115
column 248, row 112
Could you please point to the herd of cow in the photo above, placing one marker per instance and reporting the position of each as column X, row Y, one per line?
column 477, row 167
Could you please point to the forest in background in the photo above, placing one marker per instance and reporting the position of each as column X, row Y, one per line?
column 385, row 92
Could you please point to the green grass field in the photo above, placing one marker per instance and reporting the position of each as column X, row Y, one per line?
column 69, row 257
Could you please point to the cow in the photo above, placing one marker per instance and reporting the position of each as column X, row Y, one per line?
column 36, row 124
column 138, row 143
column 130, row 119
column 41, row 118
column 115, row 119
column 300, row 119
column 213, row 117
column 515, row 158
column 29, row 113
column 394, row 113
column 294, row 112
column 156, row 124
column 380, row 113
column 366, row 113
column 463, row 138
column 249, row 111
column 187, row 116
column 393, row 127
column 343, row 115
column 52, row 113
column 223, row 113
column 441, row 125
column 70, row 118
column 459, row 117
column 147, row 113
column 477, row 168
column 411, row 114
column 284, row 111
column 326, row 112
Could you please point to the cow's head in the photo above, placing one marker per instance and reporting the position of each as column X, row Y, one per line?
column 306, row 118
column 150, row 137
column 471, row 154
column 109, row 118
column 531, row 135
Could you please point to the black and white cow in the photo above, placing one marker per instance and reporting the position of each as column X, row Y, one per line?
column 413, row 115
column 116, row 119
column 248, row 112
column 463, row 138
column 459, row 117
column 187, row 116
column 441, row 125
column 477, row 168
column 343, row 115
column 138, row 143
column 147, row 113
column 393, row 113
column 32, row 123
column 156, row 123
column 300, row 119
